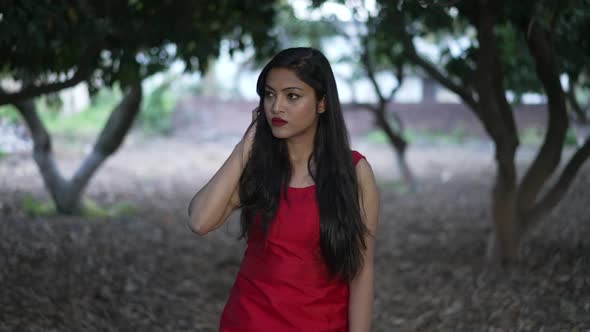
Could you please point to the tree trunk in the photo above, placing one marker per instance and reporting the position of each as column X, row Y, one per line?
column 405, row 170
column 496, row 115
column 42, row 151
column 67, row 193
column 505, row 245
column 399, row 146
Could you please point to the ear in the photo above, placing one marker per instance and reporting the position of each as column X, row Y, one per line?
column 321, row 105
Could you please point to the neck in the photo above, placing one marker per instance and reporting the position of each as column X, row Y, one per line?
column 300, row 149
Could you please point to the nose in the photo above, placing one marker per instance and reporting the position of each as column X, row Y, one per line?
column 276, row 106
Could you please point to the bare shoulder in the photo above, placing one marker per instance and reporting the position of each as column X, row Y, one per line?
column 365, row 176
column 369, row 194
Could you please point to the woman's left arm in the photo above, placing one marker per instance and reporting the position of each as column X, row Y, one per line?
column 360, row 309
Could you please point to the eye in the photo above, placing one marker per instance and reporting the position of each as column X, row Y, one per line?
column 293, row 96
column 268, row 94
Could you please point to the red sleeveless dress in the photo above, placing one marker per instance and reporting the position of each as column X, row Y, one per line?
column 283, row 283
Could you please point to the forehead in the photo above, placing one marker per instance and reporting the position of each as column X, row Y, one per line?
column 282, row 78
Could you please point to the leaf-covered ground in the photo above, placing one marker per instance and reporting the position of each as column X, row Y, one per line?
column 144, row 271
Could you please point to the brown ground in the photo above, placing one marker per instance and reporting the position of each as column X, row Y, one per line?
column 147, row 272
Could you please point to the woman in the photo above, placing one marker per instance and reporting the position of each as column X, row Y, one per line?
column 309, row 207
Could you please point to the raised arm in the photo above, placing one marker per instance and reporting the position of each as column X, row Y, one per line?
column 362, row 286
column 211, row 205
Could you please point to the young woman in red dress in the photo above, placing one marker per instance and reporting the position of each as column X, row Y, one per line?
column 309, row 207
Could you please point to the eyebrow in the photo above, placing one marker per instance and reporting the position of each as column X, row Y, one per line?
column 285, row 89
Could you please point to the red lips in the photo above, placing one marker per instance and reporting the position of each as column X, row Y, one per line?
column 278, row 122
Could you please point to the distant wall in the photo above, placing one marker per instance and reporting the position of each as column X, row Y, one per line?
column 446, row 117
column 231, row 117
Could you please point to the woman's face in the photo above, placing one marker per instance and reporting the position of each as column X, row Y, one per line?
column 290, row 105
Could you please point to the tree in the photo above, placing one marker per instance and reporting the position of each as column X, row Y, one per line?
column 479, row 75
column 375, row 54
column 367, row 56
column 51, row 45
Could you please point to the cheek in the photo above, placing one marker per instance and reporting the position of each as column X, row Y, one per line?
column 307, row 110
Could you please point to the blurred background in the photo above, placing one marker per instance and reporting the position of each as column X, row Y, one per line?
column 473, row 114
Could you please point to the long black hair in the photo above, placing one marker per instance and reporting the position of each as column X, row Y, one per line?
column 268, row 170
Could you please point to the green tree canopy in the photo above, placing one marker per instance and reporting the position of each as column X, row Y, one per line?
column 53, row 44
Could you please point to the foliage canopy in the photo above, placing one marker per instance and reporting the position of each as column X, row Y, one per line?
column 103, row 42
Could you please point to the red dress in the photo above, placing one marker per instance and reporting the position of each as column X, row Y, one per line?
column 283, row 284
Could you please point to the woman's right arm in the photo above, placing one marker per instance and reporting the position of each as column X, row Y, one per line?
column 211, row 205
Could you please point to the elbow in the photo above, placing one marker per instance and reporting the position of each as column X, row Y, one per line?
column 197, row 227
column 195, row 222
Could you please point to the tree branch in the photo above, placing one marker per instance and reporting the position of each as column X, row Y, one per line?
column 111, row 136
column 549, row 155
column 370, row 70
column 462, row 91
column 559, row 189
column 27, row 92
column 399, row 74
column 395, row 138
column 120, row 121
column 42, row 150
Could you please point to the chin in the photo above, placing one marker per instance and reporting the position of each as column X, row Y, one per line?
column 279, row 134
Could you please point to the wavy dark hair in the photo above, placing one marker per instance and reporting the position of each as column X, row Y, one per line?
column 268, row 170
